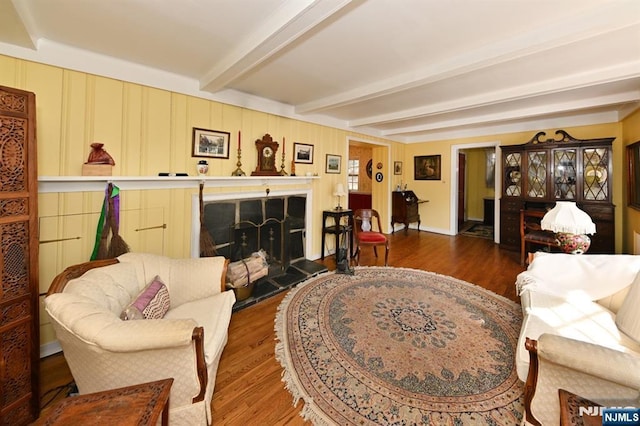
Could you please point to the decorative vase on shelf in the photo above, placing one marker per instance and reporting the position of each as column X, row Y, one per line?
column 202, row 167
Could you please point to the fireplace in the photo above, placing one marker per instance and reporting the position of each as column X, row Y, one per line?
column 241, row 224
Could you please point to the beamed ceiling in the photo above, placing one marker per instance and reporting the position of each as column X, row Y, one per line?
column 405, row 70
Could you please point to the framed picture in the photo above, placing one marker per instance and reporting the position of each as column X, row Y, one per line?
column 302, row 153
column 397, row 167
column 333, row 163
column 210, row 143
column 427, row 167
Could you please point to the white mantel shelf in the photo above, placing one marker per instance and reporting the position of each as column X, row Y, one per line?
column 48, row 184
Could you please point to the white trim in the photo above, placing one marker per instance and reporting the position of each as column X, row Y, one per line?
column 453, row 219
column 195, row 212
column 98, row 183
column 63, row 56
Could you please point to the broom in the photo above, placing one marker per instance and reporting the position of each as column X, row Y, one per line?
column 207, row 245
column 117, row 245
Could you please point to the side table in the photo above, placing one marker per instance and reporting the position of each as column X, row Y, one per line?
column 570, row 414
column 132, row 405
column 336, row 228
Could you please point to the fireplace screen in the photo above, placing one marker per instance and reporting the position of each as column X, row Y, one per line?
column 275, row 225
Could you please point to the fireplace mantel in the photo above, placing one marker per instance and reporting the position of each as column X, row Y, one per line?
column 47, row 184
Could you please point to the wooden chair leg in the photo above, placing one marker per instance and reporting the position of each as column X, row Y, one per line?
column 386, row 255
column 357, row 256
column 522, row 251
column 375, row 250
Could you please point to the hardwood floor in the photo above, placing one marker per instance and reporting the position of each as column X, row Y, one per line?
column 249, row 389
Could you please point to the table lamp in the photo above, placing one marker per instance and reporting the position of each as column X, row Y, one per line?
column 339, row 192
column 570, row 225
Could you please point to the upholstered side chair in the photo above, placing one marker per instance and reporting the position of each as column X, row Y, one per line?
column 600, row 375
column 367, row 231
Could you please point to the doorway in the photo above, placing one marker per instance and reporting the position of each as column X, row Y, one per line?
column 474, row 189
column 373, row 159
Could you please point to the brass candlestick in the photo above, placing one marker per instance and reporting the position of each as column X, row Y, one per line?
column 282, row 172
column 238, row 171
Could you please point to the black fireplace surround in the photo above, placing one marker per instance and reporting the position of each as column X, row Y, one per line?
column 274, row 224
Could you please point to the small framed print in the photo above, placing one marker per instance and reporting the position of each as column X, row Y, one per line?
column 333, row 163
column 427, row 167
column 397, row 167
column 210, row 143
column 302, row 153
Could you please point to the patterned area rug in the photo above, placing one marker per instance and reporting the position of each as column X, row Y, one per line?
column 392, row 346
column 479, row 230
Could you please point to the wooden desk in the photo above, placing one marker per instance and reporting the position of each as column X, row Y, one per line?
column 133, row 405
column 336, row 228
column 404, row 209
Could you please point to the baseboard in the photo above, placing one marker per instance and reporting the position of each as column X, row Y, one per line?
column 50, row 348
column 434, row 230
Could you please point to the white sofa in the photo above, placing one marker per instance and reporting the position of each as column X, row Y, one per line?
column 104, row 352
column 569, row 305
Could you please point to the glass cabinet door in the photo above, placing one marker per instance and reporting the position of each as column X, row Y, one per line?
column 512, row 174
column 564, row 174
column 595, row 175
column 536, row 174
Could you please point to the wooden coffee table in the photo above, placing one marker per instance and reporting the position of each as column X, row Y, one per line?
column 132, row 405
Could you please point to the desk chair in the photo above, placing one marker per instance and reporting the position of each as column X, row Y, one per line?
column 532, row 233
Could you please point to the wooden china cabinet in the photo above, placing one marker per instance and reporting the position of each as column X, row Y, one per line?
column 19, row 327
column 542, row 171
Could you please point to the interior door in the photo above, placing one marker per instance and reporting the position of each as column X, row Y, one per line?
column 462, row 164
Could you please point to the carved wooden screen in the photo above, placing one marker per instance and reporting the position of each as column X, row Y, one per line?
column 19, row 326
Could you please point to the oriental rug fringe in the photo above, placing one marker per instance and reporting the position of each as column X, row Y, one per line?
column 393, row 346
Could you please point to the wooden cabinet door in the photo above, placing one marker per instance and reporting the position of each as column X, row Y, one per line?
column 19, row 325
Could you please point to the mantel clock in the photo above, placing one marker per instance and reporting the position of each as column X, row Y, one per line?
column 267, row 149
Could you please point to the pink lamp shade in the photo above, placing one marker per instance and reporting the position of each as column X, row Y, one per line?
column 570, row 225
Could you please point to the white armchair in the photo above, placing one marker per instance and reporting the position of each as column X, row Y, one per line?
column 104, row 352
column 602, row 375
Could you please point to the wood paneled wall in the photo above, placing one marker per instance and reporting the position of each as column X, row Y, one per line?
column 147, row 130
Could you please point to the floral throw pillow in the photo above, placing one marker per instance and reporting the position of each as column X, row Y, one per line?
column 151, row 303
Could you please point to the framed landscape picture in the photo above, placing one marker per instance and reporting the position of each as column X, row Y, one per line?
column 333, row 163
column 302, row 153
column 427, row 167
column 210, row 143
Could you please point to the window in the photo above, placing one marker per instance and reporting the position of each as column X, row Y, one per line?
column 353, row 169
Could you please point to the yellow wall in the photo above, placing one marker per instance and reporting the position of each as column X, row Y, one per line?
column 435, row 214
column 148, row 130
column 363, row 154
column 630, row 134
column 476, row 189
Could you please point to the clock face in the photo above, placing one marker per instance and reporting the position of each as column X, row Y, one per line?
column 267, row 151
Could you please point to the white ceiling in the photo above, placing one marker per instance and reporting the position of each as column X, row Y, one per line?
column 406, row 70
